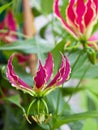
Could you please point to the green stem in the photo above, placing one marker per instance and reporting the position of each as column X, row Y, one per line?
column 76, row 62
column 58, row 101
column 45, row 106
column 52, row 24
column 30, row 106
column 38, row 106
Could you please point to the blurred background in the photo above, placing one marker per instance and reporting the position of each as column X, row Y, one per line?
column 34, row 19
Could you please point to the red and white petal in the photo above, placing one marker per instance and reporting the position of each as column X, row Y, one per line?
column 58, row 76
column 90, row 14
column 80, row 11
column 96, row 4
column 14, row 79
column 10, row 22
column 40, row 78
column 66, row 73
column 57, row 12
column 70, row 12
column 49, row 66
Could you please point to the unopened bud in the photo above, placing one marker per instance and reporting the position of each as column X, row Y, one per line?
column 91, row 55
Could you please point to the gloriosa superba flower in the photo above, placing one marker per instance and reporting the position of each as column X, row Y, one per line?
column 81, row 16
column 42, row 83
column 8, row 33
column 10, row 24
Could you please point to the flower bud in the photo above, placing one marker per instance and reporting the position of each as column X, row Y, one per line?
column 91, row 55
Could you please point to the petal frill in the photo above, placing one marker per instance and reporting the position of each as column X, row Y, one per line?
column 71, row 15
column 66, row 73
column 94, row 37
column 80, row 11
column 15, row 80
column 40, row 78
column 96, row 4
column 58, row 76
column 57, row 12
column 90, row 13
column 49, row 66
column 10, row 21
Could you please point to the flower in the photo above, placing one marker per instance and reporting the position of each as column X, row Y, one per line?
column 9, row 23
column 42, row 83
column 8, row 37
column 80, row 18
column 22, row 58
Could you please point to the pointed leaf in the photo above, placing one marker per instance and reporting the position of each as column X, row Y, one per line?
column 16, row 100
column 3, row 7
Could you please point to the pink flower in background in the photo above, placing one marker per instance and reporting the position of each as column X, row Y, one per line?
column 42, row 81
column 80, row 18
column 22, row 58
column 9, row 24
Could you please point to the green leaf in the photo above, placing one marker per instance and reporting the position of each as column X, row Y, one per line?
column 16, row 100
column 17, row 7
column 91, row 73
column 63, row 7
column 3, row 7
column 81, row 65
column 35, row 45
column 70, row 90
column 46, row 6
column 57, row 105
column 60, row 120
column 92, row 85
column 90, row 124
column 13, row 119
column 76, row 125
column 92, row 96
column 57, row 56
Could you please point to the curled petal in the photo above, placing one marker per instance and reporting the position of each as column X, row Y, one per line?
column 57, row 12
column 49, row 66
column 58, row 76
column 14, row 79
column 90, row 14
column 10, row 21
column 80, row 10
column 71, row 16
column 66, row 73
column 96, row 4
column 40, row 78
